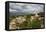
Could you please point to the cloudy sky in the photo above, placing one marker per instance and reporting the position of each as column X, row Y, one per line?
column 22, row 7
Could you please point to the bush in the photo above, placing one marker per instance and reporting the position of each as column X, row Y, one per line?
column 36, row 24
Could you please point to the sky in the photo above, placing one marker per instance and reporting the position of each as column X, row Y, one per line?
column 23, row 7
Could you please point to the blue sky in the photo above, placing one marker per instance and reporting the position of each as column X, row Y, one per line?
column 29, row 8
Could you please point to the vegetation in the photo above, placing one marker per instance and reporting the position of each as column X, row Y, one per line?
column 35, row 23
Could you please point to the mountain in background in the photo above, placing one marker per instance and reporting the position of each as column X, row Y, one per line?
column 24, row 13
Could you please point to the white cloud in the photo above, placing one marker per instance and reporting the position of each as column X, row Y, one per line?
column 31, row 8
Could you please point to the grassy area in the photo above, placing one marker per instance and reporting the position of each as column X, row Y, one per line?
column 35, row 23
